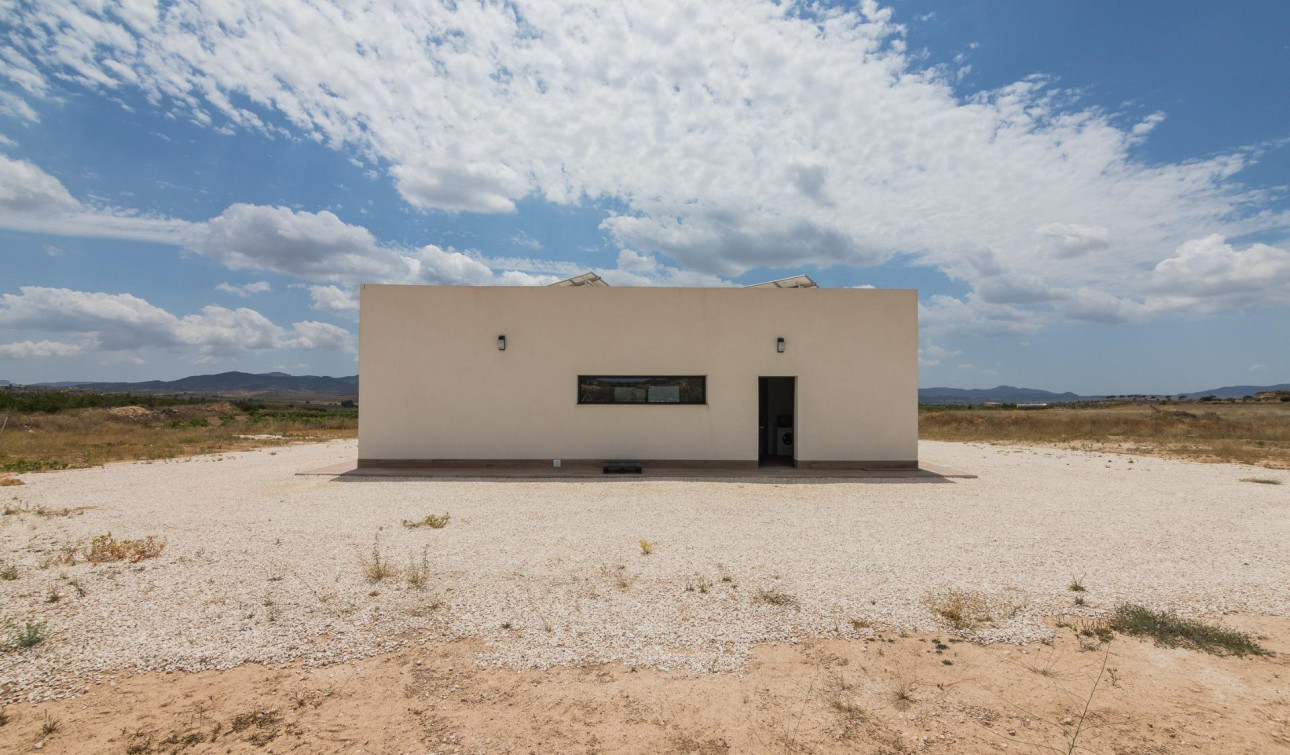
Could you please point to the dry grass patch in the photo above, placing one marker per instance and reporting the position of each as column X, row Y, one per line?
column 6, row 482
column 433, row 521
column 963, row 610
column 42, row 442
column 776, row 598
column 1209, row 431
column 106, row 549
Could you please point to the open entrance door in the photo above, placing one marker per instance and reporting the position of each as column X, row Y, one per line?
column 777, row 401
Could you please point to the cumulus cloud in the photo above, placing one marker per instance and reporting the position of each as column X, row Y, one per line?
column 122, row 322
column 733, row 135
column 945, row 316
column 308, row 245
column 1209, row 273
column 246, row 289
column 26, row 188
column 334, row 299
column 26, row 349
column 34, row 201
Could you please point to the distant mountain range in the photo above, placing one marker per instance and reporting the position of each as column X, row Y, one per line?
column 281, row 382
column 229, row 382
column 1007, row 394
column 1237, row 391
column 1004, row 394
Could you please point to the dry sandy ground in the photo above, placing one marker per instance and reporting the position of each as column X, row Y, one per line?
column 890, row 695
column 265, row 567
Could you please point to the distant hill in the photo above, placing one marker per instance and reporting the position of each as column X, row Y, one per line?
column 5, row 382
column 1004, row 394
column 1237, row 391
column 231, row 382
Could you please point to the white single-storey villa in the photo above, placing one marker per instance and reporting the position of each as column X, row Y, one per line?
column 581, row 374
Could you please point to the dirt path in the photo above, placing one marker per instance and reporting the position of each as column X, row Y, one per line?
column 890, row 695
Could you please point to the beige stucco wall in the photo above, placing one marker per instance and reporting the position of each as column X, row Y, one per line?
column 433, row 384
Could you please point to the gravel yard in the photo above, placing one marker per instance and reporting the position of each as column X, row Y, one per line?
column 264, row 565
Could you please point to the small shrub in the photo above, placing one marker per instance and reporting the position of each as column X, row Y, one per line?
column 188, row 424
column 1261, row 480
column 419, row 571
column 139, row 742
column 902, row 690
column 775, row 598
column 377, row 567
column 270, row 608
column 961, row 609
column 618, row 576
column 256, row 718
column 647, row 547
column 53, row 596
column 8, row 572
column 30, row 634
column 50, row 725
column 1171, row 631
column 105, row 549
column 1076, row 585
column 433, row 521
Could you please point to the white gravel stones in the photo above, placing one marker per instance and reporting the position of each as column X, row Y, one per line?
column 265, row 566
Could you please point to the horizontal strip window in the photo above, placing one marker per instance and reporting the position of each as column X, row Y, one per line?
column 635, row 389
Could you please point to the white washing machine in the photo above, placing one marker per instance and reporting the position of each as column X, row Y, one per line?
column 783, row 441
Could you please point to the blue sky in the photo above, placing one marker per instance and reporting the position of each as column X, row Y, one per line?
column 1088, row 196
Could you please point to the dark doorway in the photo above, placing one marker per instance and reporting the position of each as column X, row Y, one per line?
column 775, row 427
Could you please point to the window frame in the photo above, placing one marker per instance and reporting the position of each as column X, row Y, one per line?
column 703, row 386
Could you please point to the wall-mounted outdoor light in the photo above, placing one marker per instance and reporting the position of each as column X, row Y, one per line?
column 501, row 343
column 779, row 345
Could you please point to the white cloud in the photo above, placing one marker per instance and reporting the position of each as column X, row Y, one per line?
column 736, row 134
column 1256, row 367
column 632, row 262
column 306, row 245
column 334, row 299
column 945, row 316
column 932, row 354
column 26, row 188
column 1072, row 239
column 320, row 247
column 526, row 241
column 27, row 349
column 246, row 289
column 1148, row 124
column 1207, row 274
column 1100, row 307
column 122, row 322
column 32, row 200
